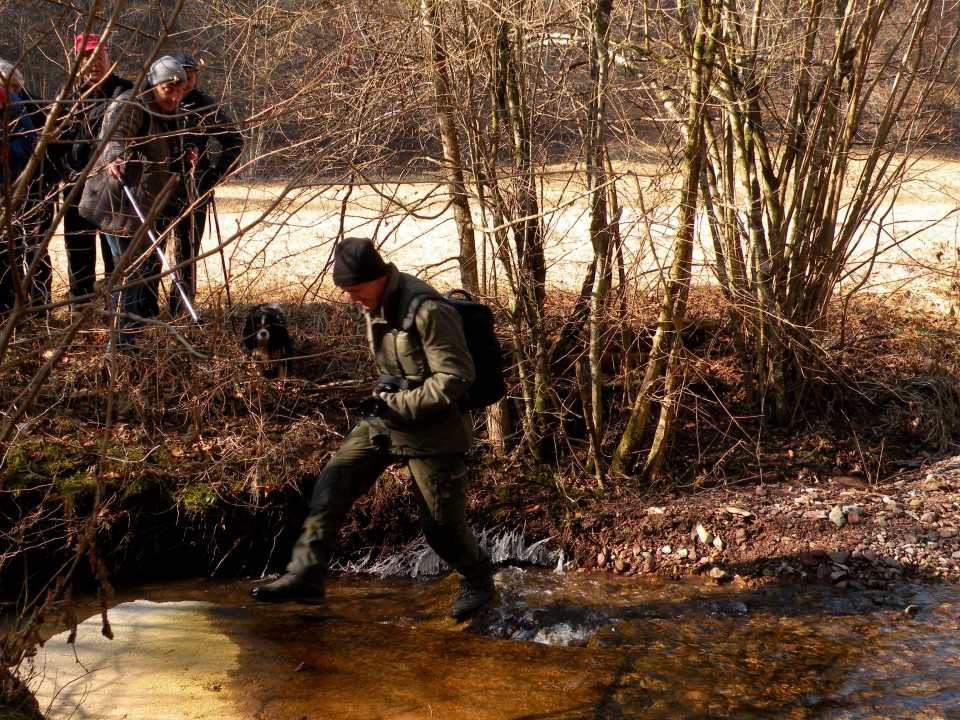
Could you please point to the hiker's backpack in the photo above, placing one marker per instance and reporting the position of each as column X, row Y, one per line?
column 488, row 384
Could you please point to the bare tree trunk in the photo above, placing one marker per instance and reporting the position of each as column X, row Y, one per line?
column 664, row 367
column 512, row 206
column 452, row 157
column 600, row 231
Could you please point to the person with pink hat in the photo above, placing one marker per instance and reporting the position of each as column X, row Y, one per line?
column 93, row 87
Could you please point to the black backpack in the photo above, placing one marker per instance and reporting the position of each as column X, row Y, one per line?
column 488, row 384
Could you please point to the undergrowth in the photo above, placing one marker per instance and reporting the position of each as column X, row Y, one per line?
column 195, row 460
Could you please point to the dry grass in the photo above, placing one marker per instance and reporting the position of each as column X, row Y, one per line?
column 277, row 241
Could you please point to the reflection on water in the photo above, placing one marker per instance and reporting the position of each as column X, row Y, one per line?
column 554, row 646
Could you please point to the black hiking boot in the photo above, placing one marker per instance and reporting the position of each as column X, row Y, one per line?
column 290, row 587
column 472, row 596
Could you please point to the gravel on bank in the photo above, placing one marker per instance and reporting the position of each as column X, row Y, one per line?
column 844, row 531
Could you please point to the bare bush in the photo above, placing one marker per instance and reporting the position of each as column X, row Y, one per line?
column 511, row 148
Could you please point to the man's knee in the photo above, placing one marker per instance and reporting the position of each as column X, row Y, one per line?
column 348, row 475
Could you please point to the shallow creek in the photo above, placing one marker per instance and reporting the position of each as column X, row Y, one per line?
column 557, row 647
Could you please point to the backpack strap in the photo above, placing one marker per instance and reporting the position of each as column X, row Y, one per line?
column 407, row 324
column 410, row 316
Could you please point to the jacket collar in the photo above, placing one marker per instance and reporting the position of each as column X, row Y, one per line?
column 391, row 296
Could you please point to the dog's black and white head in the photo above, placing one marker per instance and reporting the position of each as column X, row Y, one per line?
column 267, row 340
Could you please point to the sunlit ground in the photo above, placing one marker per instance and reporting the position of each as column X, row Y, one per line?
column 277, row 241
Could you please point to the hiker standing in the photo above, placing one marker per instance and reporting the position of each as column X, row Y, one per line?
column 40, row 201
column 412, row 418
column 144, row 152
column 204, row 120
column 17, row 138
column 88, row 101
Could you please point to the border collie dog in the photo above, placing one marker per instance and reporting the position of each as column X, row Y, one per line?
column 267, row 340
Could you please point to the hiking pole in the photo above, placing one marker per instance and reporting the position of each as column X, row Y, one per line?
column 194, row 240
column 163, row 258
column 223, row 261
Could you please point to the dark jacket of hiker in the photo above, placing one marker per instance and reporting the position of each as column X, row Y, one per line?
column 205, row 120
column 148, row 140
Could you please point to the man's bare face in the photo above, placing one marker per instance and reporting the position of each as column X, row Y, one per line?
column 168, row 95
column 95, row 66
column 367, row 295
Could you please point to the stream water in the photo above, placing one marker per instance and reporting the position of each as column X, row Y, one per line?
column 558, row 647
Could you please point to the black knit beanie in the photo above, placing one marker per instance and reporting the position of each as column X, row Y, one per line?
column 356, row 261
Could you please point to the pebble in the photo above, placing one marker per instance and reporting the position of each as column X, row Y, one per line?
column 718, row 574
column 837, row 517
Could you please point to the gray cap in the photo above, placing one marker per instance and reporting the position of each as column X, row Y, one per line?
column 164, row 70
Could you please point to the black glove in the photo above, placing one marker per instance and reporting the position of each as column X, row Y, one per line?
column 371, row 407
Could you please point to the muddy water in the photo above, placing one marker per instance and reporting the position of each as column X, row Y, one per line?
column 562, row 647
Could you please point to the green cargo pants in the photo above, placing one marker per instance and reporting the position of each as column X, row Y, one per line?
column 440, row 487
